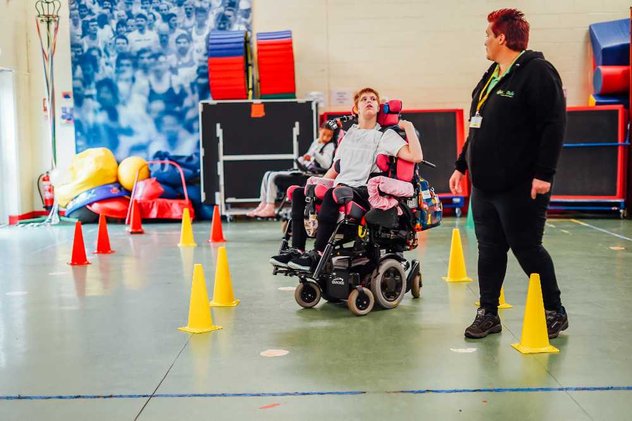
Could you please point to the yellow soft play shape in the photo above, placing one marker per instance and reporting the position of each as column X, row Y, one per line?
column 128, row 169
column 89, row 169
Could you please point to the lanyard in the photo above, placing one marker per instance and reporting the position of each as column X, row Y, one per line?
column 484, row 92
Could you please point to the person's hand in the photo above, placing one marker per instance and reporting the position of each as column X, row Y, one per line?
column 539, row 187
column 306, row 157
column 404, row 124
column 455, row 182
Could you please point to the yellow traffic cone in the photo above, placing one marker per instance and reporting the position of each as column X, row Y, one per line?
column 223, row 290
column 186, row 233
column 501, row 301
column 502, row 304
column 535, row 338
column 456, row 264
column 200, row 318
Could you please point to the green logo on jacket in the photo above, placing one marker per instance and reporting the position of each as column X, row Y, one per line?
column 506, row 94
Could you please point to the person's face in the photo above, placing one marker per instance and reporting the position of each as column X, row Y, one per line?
column 151, row 19
column 107, row 5
column 163, row 8
column 155, row 109
column 125, row 67
column 120, row 15
column 188, row 10
column 183, row 45
column 83, row 11
column 93, row 28
column 368, row 105
column 131, row 25
column 170, row 127
column 144, row 61
column 201, row 17
column 121, row 45
column 325, row 135
column 76, row 52
column 493, row 43
column 105, row 96
column 74, row 16
column 141, row 23
column 173, row 22
column 161, row 65
column 145, row 4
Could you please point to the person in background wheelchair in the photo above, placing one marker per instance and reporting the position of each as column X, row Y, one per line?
column 317, row 160
column 355, row 160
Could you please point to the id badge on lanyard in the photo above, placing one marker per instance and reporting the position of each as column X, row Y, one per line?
column 476, row 121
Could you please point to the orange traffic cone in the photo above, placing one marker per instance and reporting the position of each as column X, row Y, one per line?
column 103, row 239
column 136, row 226
column 535, row 337
column 78, row 248
column 217, row 236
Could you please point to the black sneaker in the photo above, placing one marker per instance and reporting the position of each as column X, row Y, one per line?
column 483, row 325
column 286, row 255
column 556, row 321
column 306, row 263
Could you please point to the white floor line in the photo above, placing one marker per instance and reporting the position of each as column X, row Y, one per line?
column 601, row 229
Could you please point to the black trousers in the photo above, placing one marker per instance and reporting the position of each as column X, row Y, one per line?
column 513, row 220
column 329, row 211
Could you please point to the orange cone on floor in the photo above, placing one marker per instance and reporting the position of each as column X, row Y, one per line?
column 186, row 232
column 217, row 236
column 136, row 226
column 223, row 290
column 78, row 248
column 200, row 318
column 103, row 239
column 535, row 337
column 456, row 264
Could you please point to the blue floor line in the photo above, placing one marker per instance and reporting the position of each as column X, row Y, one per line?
column 322, row 393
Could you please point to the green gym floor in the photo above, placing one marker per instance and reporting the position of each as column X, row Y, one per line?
column 100, row 342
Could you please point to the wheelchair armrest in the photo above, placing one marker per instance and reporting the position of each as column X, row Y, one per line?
column 343, row 195
column 290, row 191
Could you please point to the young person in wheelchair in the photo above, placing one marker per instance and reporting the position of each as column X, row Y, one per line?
column 343, row 273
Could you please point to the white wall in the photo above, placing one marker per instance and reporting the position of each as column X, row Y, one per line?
column 429, row 53
column 13, row 46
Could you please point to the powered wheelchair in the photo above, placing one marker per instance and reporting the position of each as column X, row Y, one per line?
column 363, row 262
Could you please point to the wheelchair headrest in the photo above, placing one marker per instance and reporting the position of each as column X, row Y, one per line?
column 389, row 113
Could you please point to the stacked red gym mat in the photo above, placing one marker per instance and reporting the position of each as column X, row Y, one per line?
column 611, row 53
column 275, row 59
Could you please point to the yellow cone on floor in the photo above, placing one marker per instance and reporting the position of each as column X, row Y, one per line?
column 186, row 233
column 456, row 264
column 502, row 304
column 223, row 290
column 501, row 301
column 535, row 338
column 200, row 318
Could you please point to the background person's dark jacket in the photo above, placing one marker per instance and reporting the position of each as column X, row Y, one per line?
column 524, row 120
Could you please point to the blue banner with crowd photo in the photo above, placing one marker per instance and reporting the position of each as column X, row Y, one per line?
column 139, row 69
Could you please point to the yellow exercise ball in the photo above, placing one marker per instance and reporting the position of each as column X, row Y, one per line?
column 128, row 168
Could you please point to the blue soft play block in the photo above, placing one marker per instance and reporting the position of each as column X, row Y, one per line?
column 611, row 42
column 611, row 100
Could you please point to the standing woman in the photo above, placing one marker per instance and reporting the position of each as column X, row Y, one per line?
column 517, row 123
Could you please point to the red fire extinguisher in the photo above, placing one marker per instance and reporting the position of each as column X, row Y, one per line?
column 46, row 190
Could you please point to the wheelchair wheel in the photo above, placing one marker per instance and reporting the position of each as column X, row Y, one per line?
column 415, row 288
column 389, row 283
column 307, row 294
column 361, row 303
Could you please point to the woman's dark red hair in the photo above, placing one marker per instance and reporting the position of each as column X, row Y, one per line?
column 512, row 23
